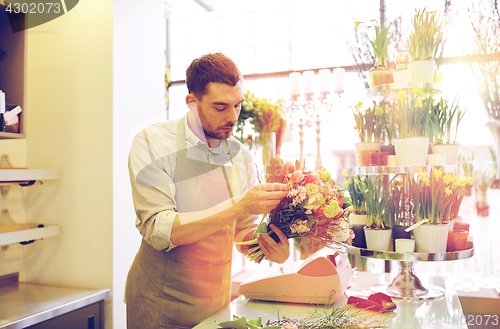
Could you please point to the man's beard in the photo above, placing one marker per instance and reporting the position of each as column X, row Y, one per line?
column 209, row 130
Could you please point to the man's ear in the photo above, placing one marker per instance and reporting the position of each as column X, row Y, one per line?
column 191, row 102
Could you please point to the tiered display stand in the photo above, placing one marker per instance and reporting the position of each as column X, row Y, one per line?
column 406, row 284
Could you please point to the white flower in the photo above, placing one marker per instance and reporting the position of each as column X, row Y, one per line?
column 339, row 231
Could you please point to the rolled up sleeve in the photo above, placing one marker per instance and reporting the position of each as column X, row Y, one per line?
column 152, row 192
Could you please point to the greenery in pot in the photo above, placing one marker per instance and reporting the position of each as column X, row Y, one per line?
column 459, row 191
column 426, row 35
column 379, row 44
column 352, row 184
column 375, row 202
column 413, row 113
column 370, row 122
column 466, row 167
column 398, row 203
column 446, row 119
column 482, row 181
column 431, row 195
column 265, row 118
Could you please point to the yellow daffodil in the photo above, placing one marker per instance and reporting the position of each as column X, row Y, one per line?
column 422, row 174
column 448, row 191
column 419, row 92
column 448, row 178
column 401, row 94
column 438, row 173
column 345, row 172
column 418, row 102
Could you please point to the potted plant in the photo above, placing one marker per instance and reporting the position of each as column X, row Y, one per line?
column 431, row 195
column 422, row 42
column 377, row 232
column 267, row 119
column 483, row 179
column 369, row 125
column 380, row 73
column 399, row 207
column 413, row 118
column 466, row 167
column 447, row 118
column 358, row 218
column 458, row 191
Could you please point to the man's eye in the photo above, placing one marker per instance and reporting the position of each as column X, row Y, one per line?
column 220, row 109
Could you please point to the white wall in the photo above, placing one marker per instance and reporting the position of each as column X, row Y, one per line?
column 69, row 128
column 139, row 43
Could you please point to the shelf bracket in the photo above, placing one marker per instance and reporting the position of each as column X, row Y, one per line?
column 5, row 163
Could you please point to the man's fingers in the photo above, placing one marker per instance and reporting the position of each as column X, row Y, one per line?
column 279, row 233
column 269, row 187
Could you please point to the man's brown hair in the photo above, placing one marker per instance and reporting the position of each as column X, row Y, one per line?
column 211, row 68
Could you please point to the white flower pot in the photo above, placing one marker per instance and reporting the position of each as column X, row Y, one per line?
column 366, row 146
column 436, row 159
column 358, row 219
column 378, row 239
column 431, row 238
column 422, row 71
column 402, row 76
column 451, row 151
column 412, row 151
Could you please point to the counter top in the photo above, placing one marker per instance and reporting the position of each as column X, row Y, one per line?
column 26, row 304
column 438, row 313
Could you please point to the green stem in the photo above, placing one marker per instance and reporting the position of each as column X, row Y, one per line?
column 246, row 243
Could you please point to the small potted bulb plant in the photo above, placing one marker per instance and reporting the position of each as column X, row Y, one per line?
column 425, row 37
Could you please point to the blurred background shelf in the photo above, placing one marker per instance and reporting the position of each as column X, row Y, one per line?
column 29, row 235
column 14, row 176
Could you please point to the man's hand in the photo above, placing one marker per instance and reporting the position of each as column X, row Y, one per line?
column 277, row 252
column 262, row 198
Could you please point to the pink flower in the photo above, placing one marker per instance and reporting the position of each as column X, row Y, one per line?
column 312, row 177
column 290, row 326
column 297, row 176
column 288, row 168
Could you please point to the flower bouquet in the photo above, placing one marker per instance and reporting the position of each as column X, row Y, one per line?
column 315, row 208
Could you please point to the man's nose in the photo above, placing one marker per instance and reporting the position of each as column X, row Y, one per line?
column 233, row 115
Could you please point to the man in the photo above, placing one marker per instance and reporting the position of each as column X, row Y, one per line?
column 194, row 189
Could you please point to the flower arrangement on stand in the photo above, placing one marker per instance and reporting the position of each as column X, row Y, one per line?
column 315, row 208
column 380, row 73
column 358, row 218
column 422, row 44
column 371, row 128
column 446, row 120
column 414, row 121
column 466, row 167
column 377, row 232
column 483, row 180
column 436, row 198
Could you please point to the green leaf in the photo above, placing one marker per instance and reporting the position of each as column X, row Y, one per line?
column 256, row 322
column 239, row 323
column 262, row 228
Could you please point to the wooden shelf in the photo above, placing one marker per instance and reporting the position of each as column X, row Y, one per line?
column 15, row 176
column 28, row 235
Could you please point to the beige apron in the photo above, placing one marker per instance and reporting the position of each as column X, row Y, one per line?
column 182, row 287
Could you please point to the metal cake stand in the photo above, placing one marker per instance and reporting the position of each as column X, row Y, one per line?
column 406, row 284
